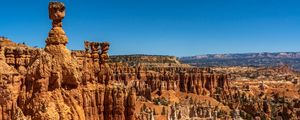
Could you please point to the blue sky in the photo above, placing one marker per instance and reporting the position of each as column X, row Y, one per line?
column 164, row 27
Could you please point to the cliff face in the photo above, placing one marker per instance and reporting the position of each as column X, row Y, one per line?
column 56, row 84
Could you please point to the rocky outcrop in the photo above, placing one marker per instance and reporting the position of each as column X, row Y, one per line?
column 5, row 42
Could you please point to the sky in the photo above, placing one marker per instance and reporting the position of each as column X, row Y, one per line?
column 161, row 27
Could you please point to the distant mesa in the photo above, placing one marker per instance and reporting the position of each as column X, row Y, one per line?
column 264, row 59
column 148, row 60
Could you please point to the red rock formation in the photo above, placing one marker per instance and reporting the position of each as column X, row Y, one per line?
column 10, row 83
column 130, row 107
column 55, row 83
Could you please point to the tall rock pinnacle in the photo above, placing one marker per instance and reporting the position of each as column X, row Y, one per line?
column 57, row 39
column 56, row 35
column 59, row 68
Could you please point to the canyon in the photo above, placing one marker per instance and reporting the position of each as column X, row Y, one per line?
column 55, row 83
